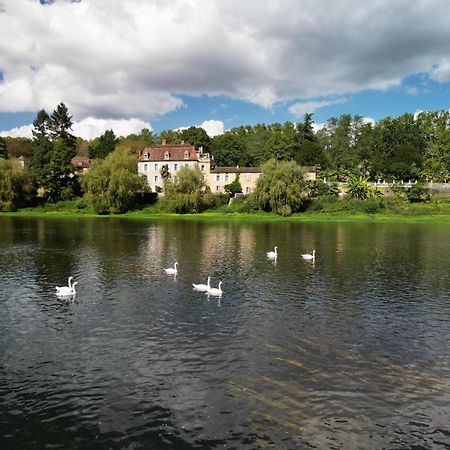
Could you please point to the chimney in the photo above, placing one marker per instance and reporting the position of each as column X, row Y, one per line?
column 182, row 142
column 163, row 142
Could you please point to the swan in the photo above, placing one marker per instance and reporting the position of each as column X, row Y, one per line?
column 66, row 290
column 69, row 282
column 202, row 287
column 274, row 254
column 172, row 270
column 215, row 291
column 309, row 256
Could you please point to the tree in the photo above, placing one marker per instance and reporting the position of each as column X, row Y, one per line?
column 112, row 185
column 281, row 188
column 103, row 145
column 308, row 151
column 55, row 147
column 187, row 192
column 228, row 150
column 15, row 185
column 234, row 187
column 197, row 137
column 3, row 151
column 358, row 188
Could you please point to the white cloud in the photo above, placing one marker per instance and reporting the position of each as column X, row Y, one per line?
column 301, row 108
column 90, row 128
column 213, row 127
column 135, row 58
column 23, row 131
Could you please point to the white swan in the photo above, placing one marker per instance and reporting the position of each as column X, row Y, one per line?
column 274, row 254
column 69, row 282
column 172, row 270
column 215, row 291
column 202, row 287
column 66, row 291
column 309, row 256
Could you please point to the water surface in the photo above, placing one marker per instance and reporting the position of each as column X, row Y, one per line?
column 351, row 352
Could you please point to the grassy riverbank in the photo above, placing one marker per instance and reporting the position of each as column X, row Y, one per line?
column 437, row 211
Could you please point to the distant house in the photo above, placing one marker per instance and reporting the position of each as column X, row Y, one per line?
column 221, row 176
column 81, row 163
column 152, row 159
column 23, row 161
column 175, row 156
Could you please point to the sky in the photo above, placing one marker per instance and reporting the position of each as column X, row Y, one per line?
column 168, row 64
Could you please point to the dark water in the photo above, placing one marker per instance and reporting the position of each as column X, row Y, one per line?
column 351, row 352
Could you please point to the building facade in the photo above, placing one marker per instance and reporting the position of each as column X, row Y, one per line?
column 175, row 156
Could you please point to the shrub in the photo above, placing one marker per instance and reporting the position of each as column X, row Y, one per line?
column 418, row 193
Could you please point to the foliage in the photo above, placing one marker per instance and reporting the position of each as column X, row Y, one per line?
column 187, row 192
column 234, row 187
column 55, row 147
column 15, row 185
column 318, row 188
column 197, row 137
column 102, row 146
column 358, row 188
column 164, row 172
column 112, row 185
column 281, row 188
column 3, row 149
column 418, row 192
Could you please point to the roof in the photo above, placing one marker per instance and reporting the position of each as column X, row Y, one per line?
column 175, row 152
column 81, row 162
column 236, row 169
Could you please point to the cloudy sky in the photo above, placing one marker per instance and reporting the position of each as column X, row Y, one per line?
column 166, row 64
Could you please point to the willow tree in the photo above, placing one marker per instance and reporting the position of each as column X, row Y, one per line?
column 15, row 185
column 187, row 192
column 281, row 188
column 112, row 185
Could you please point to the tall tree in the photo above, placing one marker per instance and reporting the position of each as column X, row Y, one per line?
column 197, row 137
column 103, row 146
column 3, row 150
column 55, row 147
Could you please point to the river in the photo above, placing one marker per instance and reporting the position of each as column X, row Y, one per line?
column 350, row 351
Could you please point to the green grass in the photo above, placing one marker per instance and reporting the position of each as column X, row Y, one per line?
column 319, row 210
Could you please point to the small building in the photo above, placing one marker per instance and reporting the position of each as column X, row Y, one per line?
column 23, row 161
column 221, row 176
column 81, row 163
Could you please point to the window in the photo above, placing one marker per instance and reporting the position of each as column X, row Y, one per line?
column 145, row 155
column 167, row 155
column 186, row 165
column 186, row 155
column 175, row 167
column 203, row 167
column 226, row 177
column 156, row 179
column 248, row 177
column 156, row 167
column 217, row 177
column 145, row 167
column 247, row 190
column 217, row 188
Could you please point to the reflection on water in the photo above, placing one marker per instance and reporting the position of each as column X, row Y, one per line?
column 348, row 352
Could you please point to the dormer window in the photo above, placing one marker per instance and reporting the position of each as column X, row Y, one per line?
column 186, row 155
column 167, row 155
column 145, row 155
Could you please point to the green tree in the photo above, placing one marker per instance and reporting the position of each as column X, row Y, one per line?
column 308, row 151
column 197, row 137
column 228, row 150
column 187, row 192
column 15, row 185
column 55, row 147
column 3, row 150
column 103, row 145
column 234, row 187
column 112, row 185
column 281, row 188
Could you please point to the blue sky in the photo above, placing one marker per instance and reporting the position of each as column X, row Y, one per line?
column 176, row 63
